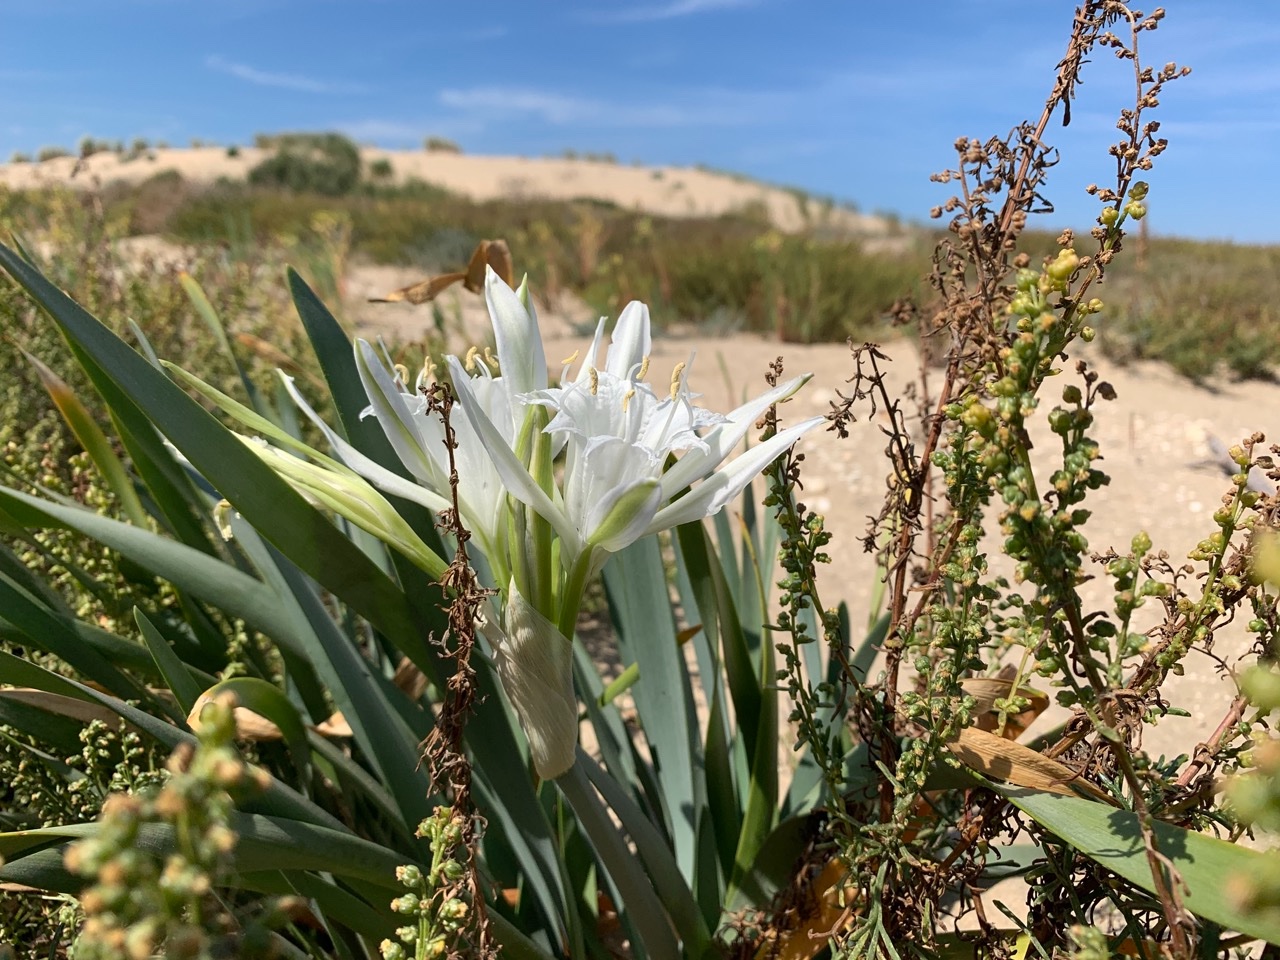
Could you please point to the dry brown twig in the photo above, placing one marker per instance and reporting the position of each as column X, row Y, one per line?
column 447, row 763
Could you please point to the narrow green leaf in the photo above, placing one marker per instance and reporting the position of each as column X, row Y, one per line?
column 762, row 792
column 268, row 702
column 333, row 349
column 263, row 843
column 298, row 530
column 386, row 735
column 637, row 591
column 640, row 902
column 774, row 866
column 62, row 734
column 336, row 904
column 184, row 687
column 655, row 853
column 1210, row 868
column 92, row 439
column 203, row 576
column 48, row 631
column 277, row 800
column 205, row 310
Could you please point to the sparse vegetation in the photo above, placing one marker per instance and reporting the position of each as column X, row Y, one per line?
column 91, row 145
column 52, row 153
column 434, row 144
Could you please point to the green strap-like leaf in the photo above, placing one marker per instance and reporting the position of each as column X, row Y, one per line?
column 206, row 311
column 1210, row 868
column 637, row 590
column 185, row 688
column 282, row 515
column 48, row 631
column 92, row 439
column 190, row 569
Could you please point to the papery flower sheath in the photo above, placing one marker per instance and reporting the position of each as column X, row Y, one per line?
column 535, row 663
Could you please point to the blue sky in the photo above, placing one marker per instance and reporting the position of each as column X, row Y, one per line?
column 856, row 100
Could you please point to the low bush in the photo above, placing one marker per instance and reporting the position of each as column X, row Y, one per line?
column 327, row 164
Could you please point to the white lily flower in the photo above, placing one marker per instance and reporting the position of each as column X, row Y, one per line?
column 618, row 436
column 535, row 663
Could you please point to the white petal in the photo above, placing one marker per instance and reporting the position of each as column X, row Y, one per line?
column 515, row 476
column 589, row 360
column 520, row 356
column 623, row 515
column 371, row 470
column 630, row 343
column 608, row 483
column 394, row 414
column 721, row 442
column 722, row 486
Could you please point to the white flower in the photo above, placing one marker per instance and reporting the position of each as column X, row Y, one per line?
column 618, row 436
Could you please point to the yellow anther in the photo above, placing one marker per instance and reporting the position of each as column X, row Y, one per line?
column 429, row 368
column 571, row 358
column 626, row 399
column 490, row 357
column 644, row 367
column 595, row 381
column 675, row 378
column 402, row 373
column 470, row 362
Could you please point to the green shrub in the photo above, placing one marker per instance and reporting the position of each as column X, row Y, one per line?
column 52, row 153
column 323, row 163
column 89, row 146
column 435, row 144
column 381, row 169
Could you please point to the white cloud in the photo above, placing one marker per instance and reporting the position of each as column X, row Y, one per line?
column 284, row 81
column 721, row 108
column 668, row 11
column 381, row 131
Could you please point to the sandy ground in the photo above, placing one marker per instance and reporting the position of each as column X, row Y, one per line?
column 663, row 191
column 1154, row 438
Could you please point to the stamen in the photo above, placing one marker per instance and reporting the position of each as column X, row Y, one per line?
column 470, row 363
column 402, row 375
column 491, row 358
column 570, row 359
column 626, row 399
column 427, row 373
column 595, row 380
column 675, row 378
column 644, row 367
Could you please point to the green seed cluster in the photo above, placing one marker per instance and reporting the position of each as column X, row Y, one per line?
column 435, row 906
column 158, row 853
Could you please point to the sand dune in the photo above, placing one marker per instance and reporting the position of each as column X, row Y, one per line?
column 663, row 191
